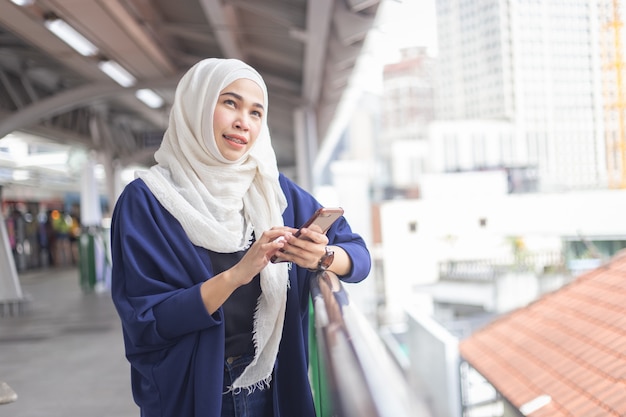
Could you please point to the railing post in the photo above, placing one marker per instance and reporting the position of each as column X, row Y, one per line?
column 319, row 377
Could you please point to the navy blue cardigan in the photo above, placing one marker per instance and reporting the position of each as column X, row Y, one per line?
column 175, row 348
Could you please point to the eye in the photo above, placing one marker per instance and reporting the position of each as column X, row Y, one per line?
column 229, row 102
column 256, row 113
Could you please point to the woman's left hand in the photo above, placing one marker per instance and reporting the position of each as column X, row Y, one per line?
column 307, row 249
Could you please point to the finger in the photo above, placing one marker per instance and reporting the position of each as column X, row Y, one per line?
column 285, row 229
column 303, row 251
column 305, row 260
column 313, row 236
column 273, row 234
column 315, row 228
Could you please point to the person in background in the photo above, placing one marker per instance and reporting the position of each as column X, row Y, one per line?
column 74, row 233
column 52, row 238
column 61, row 224
column 211, row 326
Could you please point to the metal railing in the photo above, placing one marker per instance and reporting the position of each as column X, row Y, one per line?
column 487, row 270
column 353, row 374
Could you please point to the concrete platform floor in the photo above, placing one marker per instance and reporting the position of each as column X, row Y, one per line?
column 63, row 355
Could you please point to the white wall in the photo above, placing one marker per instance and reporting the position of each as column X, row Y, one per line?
column 448, row 228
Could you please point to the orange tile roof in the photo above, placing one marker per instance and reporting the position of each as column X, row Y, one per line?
column 570, row 345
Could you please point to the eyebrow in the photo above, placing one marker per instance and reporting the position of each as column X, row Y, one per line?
column 240, row 98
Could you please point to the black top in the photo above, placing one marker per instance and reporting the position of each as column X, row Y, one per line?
column 239, row 307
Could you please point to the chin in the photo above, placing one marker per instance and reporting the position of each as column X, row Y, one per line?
column 233, row 156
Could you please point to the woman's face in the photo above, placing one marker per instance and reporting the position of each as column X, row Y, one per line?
column 238, row 118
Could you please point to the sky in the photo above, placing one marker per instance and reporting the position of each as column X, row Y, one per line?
column 400, row 24
column 405, row 23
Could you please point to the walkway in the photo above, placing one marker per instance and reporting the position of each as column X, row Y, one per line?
column 64, row 355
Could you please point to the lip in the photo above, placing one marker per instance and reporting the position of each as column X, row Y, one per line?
column 236, row 139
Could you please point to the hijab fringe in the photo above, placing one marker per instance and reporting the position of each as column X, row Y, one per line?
column 260, row 385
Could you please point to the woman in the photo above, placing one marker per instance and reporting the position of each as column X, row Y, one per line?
column 211, row 327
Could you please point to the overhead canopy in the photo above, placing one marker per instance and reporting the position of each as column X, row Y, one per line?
column 306, row 50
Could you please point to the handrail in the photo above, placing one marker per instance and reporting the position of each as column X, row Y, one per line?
column 359, row 373
column 487, row 270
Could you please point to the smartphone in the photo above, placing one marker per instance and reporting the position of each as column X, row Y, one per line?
column 324, row 217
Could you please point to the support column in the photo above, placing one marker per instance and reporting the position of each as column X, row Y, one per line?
column 92, row 252
column 11, row 296
column 306, row 146
column 113, row 181
column 90, row 210
column 114, row 187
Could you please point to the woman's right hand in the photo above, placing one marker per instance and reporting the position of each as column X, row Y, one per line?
column 259, row 254
column 215, row 291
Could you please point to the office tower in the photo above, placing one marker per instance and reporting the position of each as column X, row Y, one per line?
column 532, row 72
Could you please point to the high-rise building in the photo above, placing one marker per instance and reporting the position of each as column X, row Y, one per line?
column 407, row 111
column 538, row 67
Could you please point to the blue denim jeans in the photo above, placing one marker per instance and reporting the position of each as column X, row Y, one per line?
column 241, row 403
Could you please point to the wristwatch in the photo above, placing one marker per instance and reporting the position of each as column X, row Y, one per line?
column 326, row 260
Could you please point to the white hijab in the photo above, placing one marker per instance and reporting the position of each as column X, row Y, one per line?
column 218, row 202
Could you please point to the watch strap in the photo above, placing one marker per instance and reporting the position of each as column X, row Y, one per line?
column 325, row 261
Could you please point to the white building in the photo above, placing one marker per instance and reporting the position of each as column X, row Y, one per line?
column 406, row 114
column 538, row 66
column 468, row 221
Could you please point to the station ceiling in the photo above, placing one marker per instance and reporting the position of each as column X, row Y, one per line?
column 306, row 51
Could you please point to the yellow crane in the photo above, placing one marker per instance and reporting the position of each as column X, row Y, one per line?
column 615, row 102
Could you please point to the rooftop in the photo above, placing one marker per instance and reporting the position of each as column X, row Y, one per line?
column 568, row 348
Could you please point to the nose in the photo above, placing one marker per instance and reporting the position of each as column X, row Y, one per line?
column 242, row 122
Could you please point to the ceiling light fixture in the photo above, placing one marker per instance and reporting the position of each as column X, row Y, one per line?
column 70, row 36
column 117, row 73
column 23, row 2
column 149, row 98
